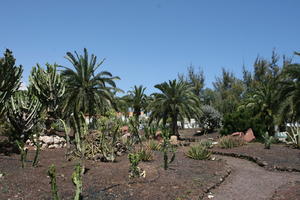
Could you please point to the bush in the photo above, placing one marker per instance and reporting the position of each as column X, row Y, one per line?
column 206, row 143
column 153, row 145
column 268, row 140
column 228, row 142
column 199, row 152
column 145, row 154
column 210, row 119
column 240, row 121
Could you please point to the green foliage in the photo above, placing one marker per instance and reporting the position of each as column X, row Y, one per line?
column 210, row 119
column 198, row 152
column 134, row 170
column 176, row 100
column 52, row 175
column 48, row 86
column 10, row 76
column 23, row 115
column 166, row 148
column 240, row 121
column 77, row 181
column 153, row 145
column 137, row 99
column 268, row 140
column 228, row 142
column 87, row 91
column 150, row 130
column 206, row 143
column 145, row 154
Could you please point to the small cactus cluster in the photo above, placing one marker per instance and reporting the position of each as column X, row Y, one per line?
column 166, row 148
column 134, row 170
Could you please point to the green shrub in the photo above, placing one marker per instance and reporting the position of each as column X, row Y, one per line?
column 153, row 145
column 228, row 142
column 198, row 152
column 268, row 140
column 210, row 119
column 240, row 121
column 145, row 154
column 134, row 170
column 206, row 143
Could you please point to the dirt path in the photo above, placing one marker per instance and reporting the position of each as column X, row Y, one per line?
column 249, row 181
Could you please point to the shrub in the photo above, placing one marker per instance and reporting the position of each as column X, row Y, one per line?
column 199, row 152
column 240, row 121
column 206, row 143
column 268, row 140
column 210, row 119
column 145, row 154
column 153, row 145
column 134, row 170
column 228, row 142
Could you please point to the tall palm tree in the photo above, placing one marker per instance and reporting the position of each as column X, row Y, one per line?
column 86, row 90
column 137, row 99
column 176, row 100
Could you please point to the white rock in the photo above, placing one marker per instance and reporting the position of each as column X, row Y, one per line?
column 47, row 139
column 174, row 140
column 56, row 146
column 51, row 146
column 44, row 146
column 56, row 140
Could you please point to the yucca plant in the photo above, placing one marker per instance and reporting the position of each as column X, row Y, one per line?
column 48, row 86
column 10, row 76
column 145, row 154
column 153, row 145
column 23, row 115
column 228, row 142
column 198, row 152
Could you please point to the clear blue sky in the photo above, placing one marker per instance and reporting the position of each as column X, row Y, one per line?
column 150, row 41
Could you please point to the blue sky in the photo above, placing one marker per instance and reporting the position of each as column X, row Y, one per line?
column 150, row 41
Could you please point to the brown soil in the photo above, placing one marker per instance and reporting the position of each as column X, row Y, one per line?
column 289, row 191
column 279, row 155
column 186, row 178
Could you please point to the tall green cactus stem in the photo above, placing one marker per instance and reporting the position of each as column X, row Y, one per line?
column 134, row 170
column 23, row 115
column 52, row 175
column 23, row 152
column 166, row 148
column 77, row 180
column 37, row 144
column 10, row 76
column 67, row 132
column 49, row 88
column 81, row 129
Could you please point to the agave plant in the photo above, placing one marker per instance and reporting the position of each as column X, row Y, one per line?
column 48, row 86
column 23, row 114
column 10, row 76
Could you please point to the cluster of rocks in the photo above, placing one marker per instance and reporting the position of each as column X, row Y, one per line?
column 51, row 142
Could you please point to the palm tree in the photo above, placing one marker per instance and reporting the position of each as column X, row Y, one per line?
column 10, row 76
column 137, row 100
column 176, row 100
column 86, row 90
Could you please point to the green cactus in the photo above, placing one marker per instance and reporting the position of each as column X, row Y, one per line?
column 77, row 181
column 268, row 140
column 10, row 76
column 48, row 86
column 52, row 175
column 37, row 144
column 23, row 115
column 134, row 170
column 81, row 130
column 166, row 148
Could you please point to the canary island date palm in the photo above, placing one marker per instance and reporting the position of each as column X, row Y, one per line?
column 48, row 86
column 137, row 100
column 23, row 115
column 176, row 99
column 10, row 76
column 86, row 90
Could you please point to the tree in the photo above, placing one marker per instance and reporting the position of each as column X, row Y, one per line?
column 86, row 90
column 137, row 99
column 49, row 88
column 176, row 99
column 10, row 76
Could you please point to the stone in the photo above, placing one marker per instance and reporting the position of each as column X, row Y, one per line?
column 51, row 146
column 239, row 134
column 56, row 146
column 56, row 140
column 174, row 140
column 47, row 139
column 44, row 146
column 249, row 136
column 125, row 137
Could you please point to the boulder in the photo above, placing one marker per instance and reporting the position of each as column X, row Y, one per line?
column 47, row 139
column 249, row 136
column 174, row 140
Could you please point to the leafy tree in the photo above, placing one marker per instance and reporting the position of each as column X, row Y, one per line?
column 228, row 92
column 49, row 88
column 10, row 76
column 176, row 99
column 86, row 90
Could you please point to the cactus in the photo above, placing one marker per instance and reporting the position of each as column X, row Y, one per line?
column 37, row 144
column 77, row 181
column 81, row 129
column 10, row 76
column 23, row 114
column 49, row 88
column 52, row 175
column 166, row 148
column 268, row 140
column 134, row 170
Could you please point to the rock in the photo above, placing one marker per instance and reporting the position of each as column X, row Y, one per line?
column 56, row 140
column 125, row 137
column 239, row 134
column 44, row 146
column 119, row 153
column 51, row 146
column 249, row 136
column 56, row 146
column 174, row 140
column 47, row 139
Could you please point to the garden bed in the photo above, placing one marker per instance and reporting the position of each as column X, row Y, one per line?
column 279, row 157
column 186, row 178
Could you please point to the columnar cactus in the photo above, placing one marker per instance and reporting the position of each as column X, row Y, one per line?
column 166, row 148
column 52, row 175
column 77, row 181
column 23, row 115
column 10, row 76
column 48, row 86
